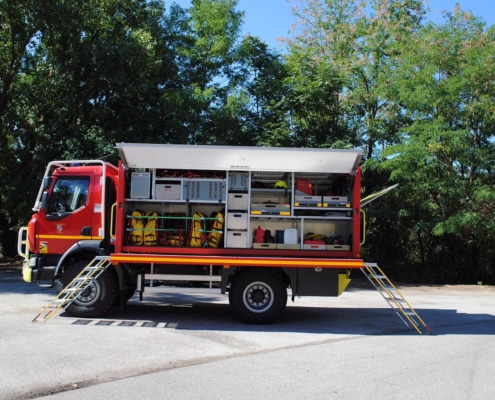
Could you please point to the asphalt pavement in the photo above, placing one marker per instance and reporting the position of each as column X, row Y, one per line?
column 192, row 347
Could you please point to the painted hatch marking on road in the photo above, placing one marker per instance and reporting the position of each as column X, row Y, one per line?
column 123, row 323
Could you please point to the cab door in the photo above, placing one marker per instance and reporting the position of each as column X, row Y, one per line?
column 69, row 214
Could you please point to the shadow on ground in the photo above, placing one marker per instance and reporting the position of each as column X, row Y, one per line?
column 189, row 312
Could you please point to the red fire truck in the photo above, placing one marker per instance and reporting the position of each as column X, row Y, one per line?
column 259, row 224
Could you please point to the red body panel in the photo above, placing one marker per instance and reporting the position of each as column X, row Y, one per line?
column 50, row 234
column 254, row 254
column 56, row 236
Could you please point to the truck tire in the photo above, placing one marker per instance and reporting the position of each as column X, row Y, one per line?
column 258, row 296
column 97, row 298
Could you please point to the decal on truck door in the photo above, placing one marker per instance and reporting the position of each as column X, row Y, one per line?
column 43, row 248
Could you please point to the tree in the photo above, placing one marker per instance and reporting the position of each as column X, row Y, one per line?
column 349, row 52
column 79, row 76
column 19, row 35
column 208, row 57
column 76, row 77
column 445, row 161
column 249, row 113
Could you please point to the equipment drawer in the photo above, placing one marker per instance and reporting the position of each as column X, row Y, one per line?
column 307, row 201
column 236, row 239
column 168, row 190
column 237, row 220
column 238, row 201
column 270, row 209
column 335, row 201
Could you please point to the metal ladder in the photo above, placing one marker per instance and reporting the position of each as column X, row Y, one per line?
column 394, row 298
column 77, row 286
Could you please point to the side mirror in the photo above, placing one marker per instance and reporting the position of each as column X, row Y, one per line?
column 44, row 201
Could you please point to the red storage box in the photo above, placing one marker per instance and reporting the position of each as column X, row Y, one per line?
column 305, row 186
column 314, row 242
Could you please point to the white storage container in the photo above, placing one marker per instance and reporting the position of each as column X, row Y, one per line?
column 236, row 239
column 238, row 201
column 315, row 246
column 168, row 190
column 237, row 220
column 290, row 236
column 341, row 247
column 264, row 246
column 283, row 246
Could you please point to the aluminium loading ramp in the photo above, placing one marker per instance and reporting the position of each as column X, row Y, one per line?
column 75, row 288
column 394, row 298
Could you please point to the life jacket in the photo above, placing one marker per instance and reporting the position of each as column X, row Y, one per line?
column 150, row 232
column 215, row 235
column 137, row 228
column 197, row 235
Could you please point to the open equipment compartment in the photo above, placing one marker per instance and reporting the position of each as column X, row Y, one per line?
column 302, row 199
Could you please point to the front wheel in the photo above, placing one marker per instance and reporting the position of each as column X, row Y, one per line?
column 97, row 298
column 258, row 296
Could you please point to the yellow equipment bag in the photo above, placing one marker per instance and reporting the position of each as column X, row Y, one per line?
column 215, row 235
column 150, row 229
column 197, row 235
column 137, row 228
column 175, row 240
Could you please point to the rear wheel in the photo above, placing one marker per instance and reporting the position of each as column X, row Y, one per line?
column 258, row 296
column 97, row 298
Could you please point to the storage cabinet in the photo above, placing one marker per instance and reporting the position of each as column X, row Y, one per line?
column 314, row 206
column 259, row 209
column 140, row 185
column 237, row 210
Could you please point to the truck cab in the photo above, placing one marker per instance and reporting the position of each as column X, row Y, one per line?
column 70, row 217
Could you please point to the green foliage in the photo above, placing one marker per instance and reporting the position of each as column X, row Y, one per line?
column 419, row 98
column 353, row 50
column 78, row 76
column 446, row 156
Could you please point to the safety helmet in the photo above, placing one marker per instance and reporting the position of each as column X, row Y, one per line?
column 281, row 185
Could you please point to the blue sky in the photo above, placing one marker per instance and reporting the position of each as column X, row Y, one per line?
column 269, row 19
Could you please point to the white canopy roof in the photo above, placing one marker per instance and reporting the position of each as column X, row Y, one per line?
column 238, row 158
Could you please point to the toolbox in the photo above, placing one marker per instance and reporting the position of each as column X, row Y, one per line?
column 336, row 201
column 307, row 201
column 270, row 209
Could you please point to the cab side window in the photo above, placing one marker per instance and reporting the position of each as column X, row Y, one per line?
column 68, row 194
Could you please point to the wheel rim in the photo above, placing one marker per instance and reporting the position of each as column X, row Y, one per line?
column 258, row 297
column 89, row 296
